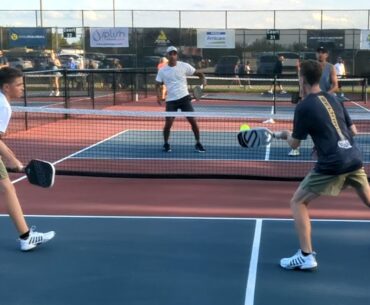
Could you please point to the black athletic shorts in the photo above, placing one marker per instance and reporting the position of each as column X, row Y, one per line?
column 184, row 104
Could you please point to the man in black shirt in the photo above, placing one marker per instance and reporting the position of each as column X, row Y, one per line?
column 339, row 162
column 278, row 71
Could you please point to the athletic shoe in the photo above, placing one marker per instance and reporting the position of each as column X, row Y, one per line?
column 57, row 93
column 167, row 147
column 52, row 93
column 199, row 148
column 270, row 92
column 283, row 92
column 35, row 239
column 298, row 261
column 294, row 153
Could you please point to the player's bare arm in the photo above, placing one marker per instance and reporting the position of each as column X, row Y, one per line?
column 158, row 88
column 287, row 135
column 334, row 81
column 201, row 77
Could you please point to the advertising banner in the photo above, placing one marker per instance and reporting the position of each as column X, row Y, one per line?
column 216, row 39
column 365, row 40
column 109, row 37
column 27, row 37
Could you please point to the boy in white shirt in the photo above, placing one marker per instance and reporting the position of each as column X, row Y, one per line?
column 11, row 86
column 340, row 71
column 173, row 76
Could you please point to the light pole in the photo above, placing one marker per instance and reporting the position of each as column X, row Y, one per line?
column 114, row 13
column 41, row 19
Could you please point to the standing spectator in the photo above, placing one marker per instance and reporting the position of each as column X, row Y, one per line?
column 247, row 71
column 328, row 80
column 55, row 65
column 72, row 65
column 117, row 66
column 340, row 71
column 278, row 71
column 3, row 60
column 237, row 73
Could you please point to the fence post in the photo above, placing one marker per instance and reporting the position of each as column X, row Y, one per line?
column 25, row 101
column 366, row 86
column 114, row 86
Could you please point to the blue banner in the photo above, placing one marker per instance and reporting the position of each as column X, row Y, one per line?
column 27, row 37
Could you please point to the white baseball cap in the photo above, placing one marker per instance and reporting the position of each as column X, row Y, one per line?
column 171, row 49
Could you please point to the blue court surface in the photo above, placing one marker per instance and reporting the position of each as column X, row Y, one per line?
column 353, row 109
column 183, row 261
column 139, row 144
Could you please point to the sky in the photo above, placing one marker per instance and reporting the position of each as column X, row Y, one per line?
column 186, row 5
column 94, row 16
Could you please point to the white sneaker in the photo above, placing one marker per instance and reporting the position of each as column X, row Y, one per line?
column 294, row 153
column 51, row 93
column 57, row 93
column 270, row 91
column 298, row 261
column 35, row 239
column 282, row 91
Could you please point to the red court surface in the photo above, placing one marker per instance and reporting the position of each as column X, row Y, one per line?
column 178, row 197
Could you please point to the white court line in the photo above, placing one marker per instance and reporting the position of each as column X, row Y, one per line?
column 252, row 274
column 364, row 108
column 189, row 218
column 77, row 152
column 78, row 100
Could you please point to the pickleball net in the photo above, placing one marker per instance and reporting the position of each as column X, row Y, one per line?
column 129, row 144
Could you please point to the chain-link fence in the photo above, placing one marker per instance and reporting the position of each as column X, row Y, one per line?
column 150, row 32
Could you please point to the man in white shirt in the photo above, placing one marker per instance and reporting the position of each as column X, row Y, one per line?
column 11, row 86
column 173, row 76
column 340, row 71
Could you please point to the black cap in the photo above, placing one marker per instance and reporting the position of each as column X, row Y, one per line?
column 322, row 49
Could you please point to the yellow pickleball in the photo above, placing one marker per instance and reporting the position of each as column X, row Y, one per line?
column 244, row 127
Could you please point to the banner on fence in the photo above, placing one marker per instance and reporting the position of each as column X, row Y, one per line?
column 109, row 38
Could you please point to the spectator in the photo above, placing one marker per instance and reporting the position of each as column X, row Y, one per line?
column 55, row 65
column 3, row 60
column 278, row 71
column 340, row 71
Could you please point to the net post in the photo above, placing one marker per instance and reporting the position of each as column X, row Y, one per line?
column 66, row 98
column 114, row 86
column 93, row 89
column 146, row 82
column 25, row 90
column 366, row 86
column 274, row 95
column 132, row 86
column 136, row 86
column 25, row 101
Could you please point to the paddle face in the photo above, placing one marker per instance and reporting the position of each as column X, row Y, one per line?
column 198, row 92
column 255, row 137
column 40, row 173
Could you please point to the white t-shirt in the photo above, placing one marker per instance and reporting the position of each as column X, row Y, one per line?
column 340, row 70
column 5, row 113
column 174, row 79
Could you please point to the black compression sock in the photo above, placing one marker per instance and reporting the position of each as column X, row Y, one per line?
column 305, row 253
column 25, row 235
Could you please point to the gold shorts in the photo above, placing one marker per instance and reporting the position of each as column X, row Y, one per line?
column 332, row 185
column 3, row 171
